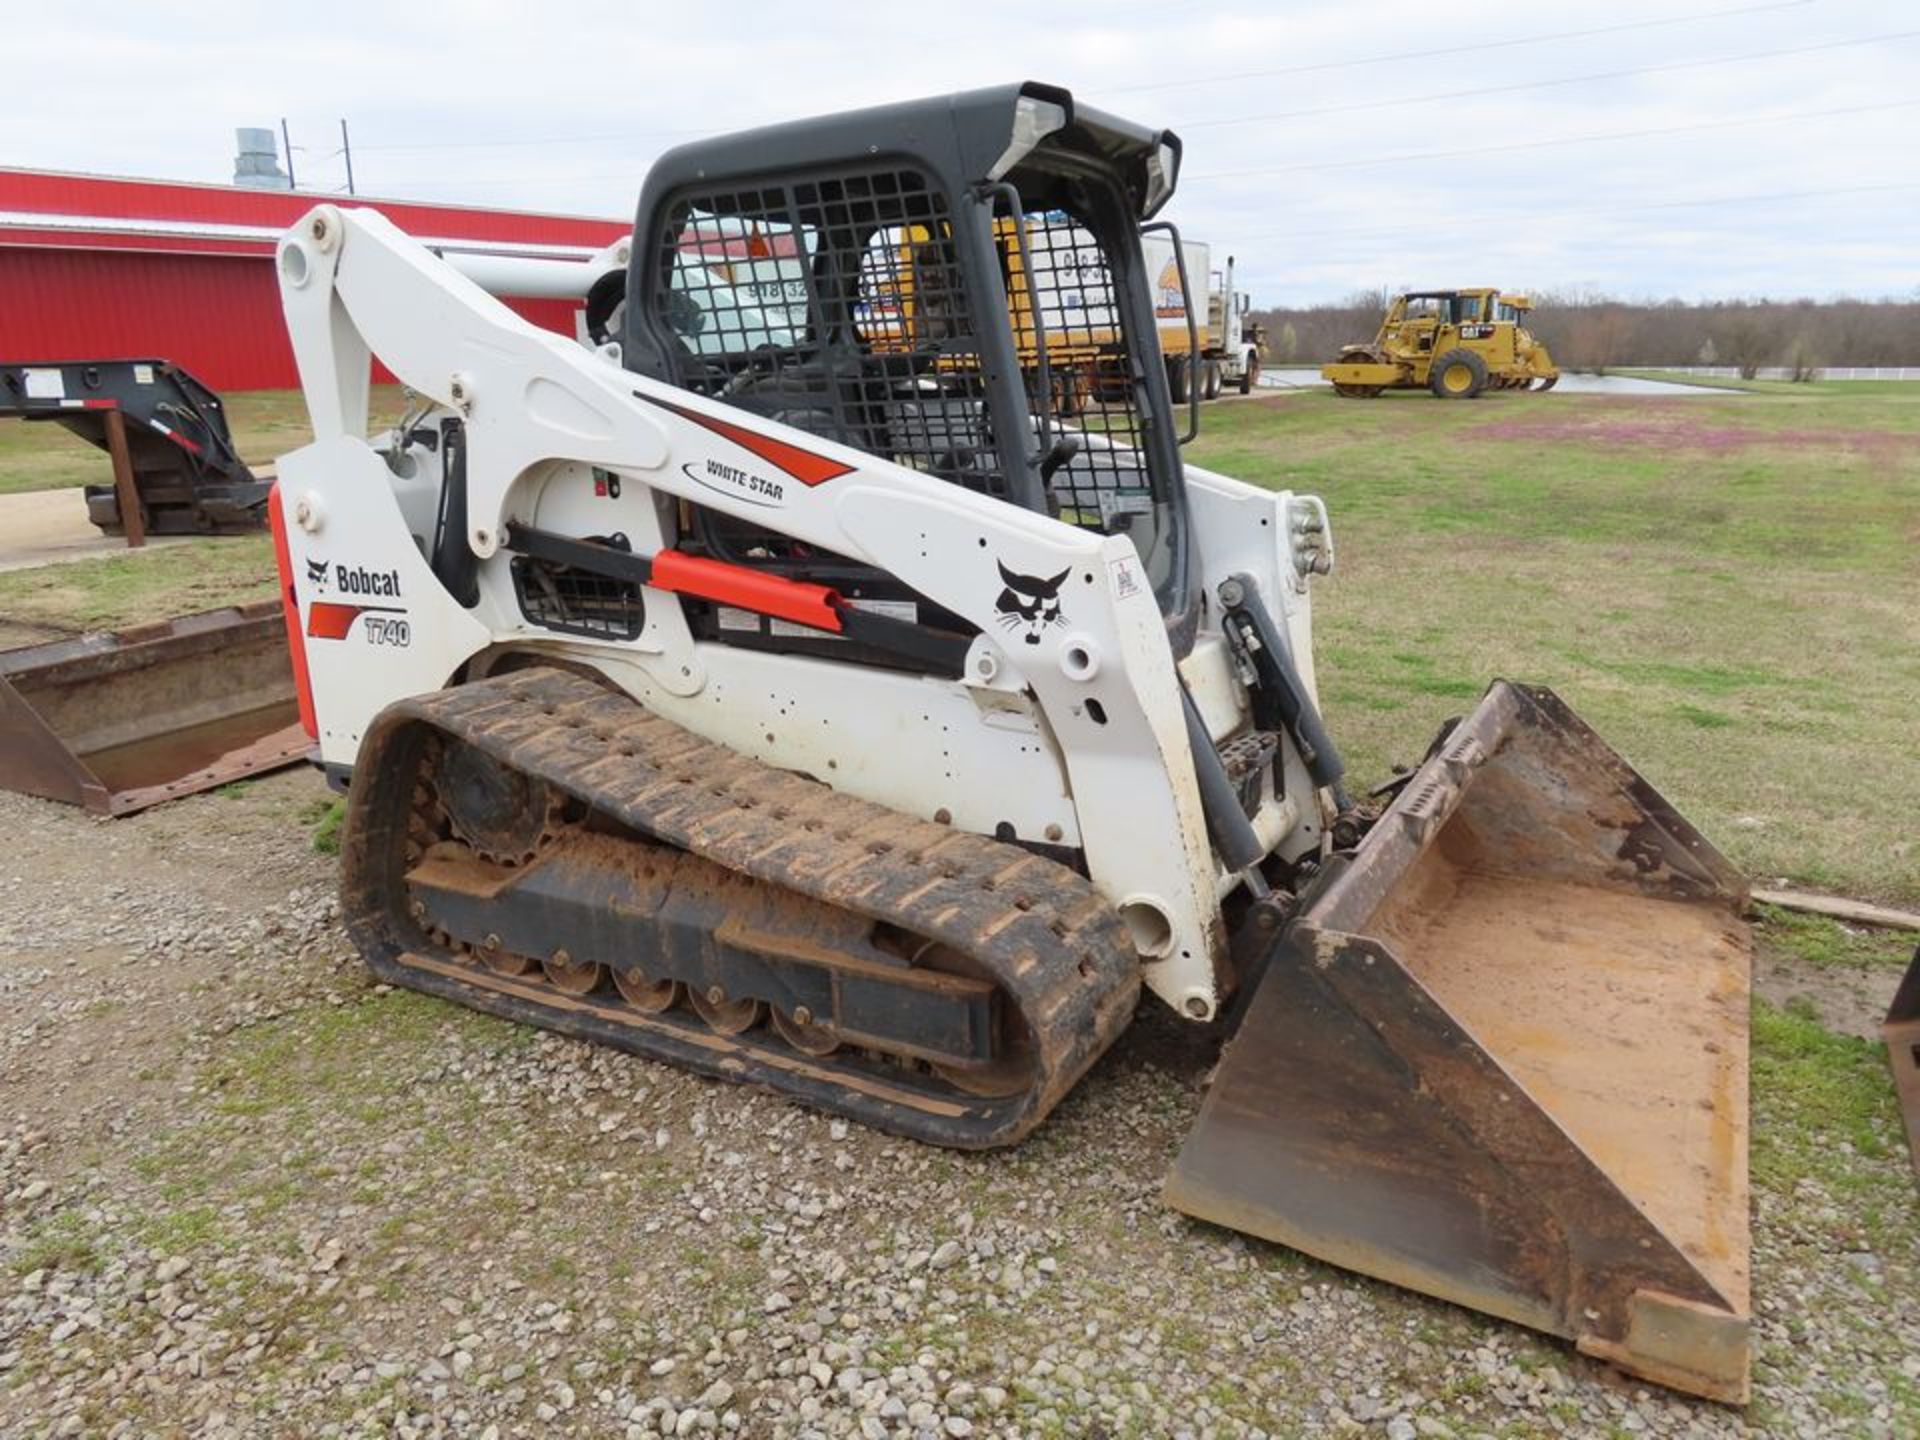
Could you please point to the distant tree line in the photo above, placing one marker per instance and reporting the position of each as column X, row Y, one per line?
column 1597, row 332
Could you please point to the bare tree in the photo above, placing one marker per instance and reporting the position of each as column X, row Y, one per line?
column 1587, row 330
column 1749, row 338
column 1598, row 337
column 1802, row 365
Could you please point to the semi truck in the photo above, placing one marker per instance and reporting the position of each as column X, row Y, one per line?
column 1229, row 339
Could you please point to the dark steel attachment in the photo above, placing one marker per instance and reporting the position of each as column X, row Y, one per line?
column 121, row 720
column 167, row 434
column 1500, row 1056
column 1902, row 1033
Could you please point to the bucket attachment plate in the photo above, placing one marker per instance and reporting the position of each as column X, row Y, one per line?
column 1500, row 1056
column 1902, row 1034
column 119, row 721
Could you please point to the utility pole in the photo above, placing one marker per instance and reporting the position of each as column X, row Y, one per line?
column 287, row 145
column 346, row 149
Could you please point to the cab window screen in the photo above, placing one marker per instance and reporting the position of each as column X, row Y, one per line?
column 834, row 303
column 1092, row 389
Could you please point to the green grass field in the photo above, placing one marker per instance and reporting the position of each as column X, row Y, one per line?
column 1728, row 589
column 138, row 586
column 45, row 457
column 1725, row 587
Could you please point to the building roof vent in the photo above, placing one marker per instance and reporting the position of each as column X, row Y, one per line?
column 256, row 161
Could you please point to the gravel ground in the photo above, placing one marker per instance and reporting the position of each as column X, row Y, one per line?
column 244, row 1191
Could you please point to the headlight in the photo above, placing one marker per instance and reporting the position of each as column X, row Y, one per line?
column 1162, row 166
column 1033, row 121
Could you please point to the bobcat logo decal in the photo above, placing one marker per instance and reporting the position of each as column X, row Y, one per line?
column 1029, row 604
column 317, row 574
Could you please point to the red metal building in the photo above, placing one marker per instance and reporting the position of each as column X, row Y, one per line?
column 96, row 267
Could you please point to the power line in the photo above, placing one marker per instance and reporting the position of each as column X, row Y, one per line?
column 1546, row 84
column 546, row 178
column 549, row 178
column 1495, row 224
column 1549, row 143
column 1775, row 195
column 605, row 137
column 537, row 140
column 1459, row 49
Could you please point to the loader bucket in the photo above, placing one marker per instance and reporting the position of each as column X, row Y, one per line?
column 123, row 720
column 1500, row 1056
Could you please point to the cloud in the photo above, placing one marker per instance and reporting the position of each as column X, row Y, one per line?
column 1747, row 172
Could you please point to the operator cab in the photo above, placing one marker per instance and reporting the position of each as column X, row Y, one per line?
column 965, row 297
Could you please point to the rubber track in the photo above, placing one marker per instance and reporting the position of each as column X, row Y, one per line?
column 1051, row 942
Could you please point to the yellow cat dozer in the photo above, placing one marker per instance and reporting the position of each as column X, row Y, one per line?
column 1456, row 343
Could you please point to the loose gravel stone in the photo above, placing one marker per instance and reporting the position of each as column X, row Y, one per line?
column 280, row 1199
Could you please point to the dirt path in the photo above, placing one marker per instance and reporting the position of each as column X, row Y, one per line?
column 50, row 527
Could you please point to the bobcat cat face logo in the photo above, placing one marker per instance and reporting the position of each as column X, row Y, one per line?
column 317, row 574
column 1029, row 604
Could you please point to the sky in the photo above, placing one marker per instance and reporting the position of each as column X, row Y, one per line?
column 1695, row 149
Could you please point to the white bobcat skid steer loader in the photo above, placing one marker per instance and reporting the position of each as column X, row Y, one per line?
column 781, row 687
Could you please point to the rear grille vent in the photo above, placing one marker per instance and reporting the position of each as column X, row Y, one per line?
column 579, row 602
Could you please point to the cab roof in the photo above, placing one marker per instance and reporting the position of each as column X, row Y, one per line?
column 961, row 138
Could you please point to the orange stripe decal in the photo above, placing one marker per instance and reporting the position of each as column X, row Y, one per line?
column 327, row 620
column 803, row 465
column 290, row 611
